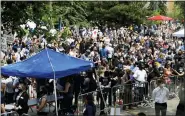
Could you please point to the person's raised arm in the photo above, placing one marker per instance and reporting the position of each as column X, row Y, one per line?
column 67, row 85
column 176, row 72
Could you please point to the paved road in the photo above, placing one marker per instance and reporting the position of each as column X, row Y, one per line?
column 171, row 110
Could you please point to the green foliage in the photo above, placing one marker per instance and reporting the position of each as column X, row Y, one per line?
column 21, row 32
column 160, row 6
column 66, row 33
column 80, row 13
column 177, row 13
column 179, row 10
column 13, row 13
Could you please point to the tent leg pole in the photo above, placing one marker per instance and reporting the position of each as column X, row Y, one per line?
column 55, row 92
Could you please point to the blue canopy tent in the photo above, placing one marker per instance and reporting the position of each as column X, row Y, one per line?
column 47, row 64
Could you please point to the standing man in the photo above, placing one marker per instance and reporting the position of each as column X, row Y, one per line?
column 160, row 96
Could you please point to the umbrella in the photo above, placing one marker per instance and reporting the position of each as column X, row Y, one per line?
column 160, row 17
column 179, row 33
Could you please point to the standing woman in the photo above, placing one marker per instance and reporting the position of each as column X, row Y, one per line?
column 67, row 93
column 22, row 100
column 168, row 71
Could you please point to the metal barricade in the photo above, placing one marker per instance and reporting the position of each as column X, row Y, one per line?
column 129, row 94
column 172, row 84
column 97, row 99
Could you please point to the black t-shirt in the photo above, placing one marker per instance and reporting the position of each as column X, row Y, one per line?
column 2, row 98
column 104, row 80
column 90, row 110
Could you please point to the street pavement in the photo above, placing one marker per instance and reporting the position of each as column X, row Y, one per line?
column 171, row 110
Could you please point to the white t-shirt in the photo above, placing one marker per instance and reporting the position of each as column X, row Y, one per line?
column 110, row 50
column 69, row 41
column 18, row 56
column 100, row 34
column 140, row 75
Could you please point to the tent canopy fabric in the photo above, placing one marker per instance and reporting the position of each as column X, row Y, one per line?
column 160, row 17
column 39, row 66
column 179, row 33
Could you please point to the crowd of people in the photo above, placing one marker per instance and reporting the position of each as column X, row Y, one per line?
column 136, row 54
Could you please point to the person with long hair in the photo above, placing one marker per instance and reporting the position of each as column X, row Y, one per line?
column 21, row 105
column 168, row 72
column 42, row 106
column 67, row 93
column 90, row 108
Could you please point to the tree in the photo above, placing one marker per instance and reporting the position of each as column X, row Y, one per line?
column 180, row 7
column 13, row 14
column 159, row 6
column 117, row 13
column 81, row 13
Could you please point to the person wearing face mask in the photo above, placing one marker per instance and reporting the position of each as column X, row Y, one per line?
column 160, row 96
column 21, row 105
